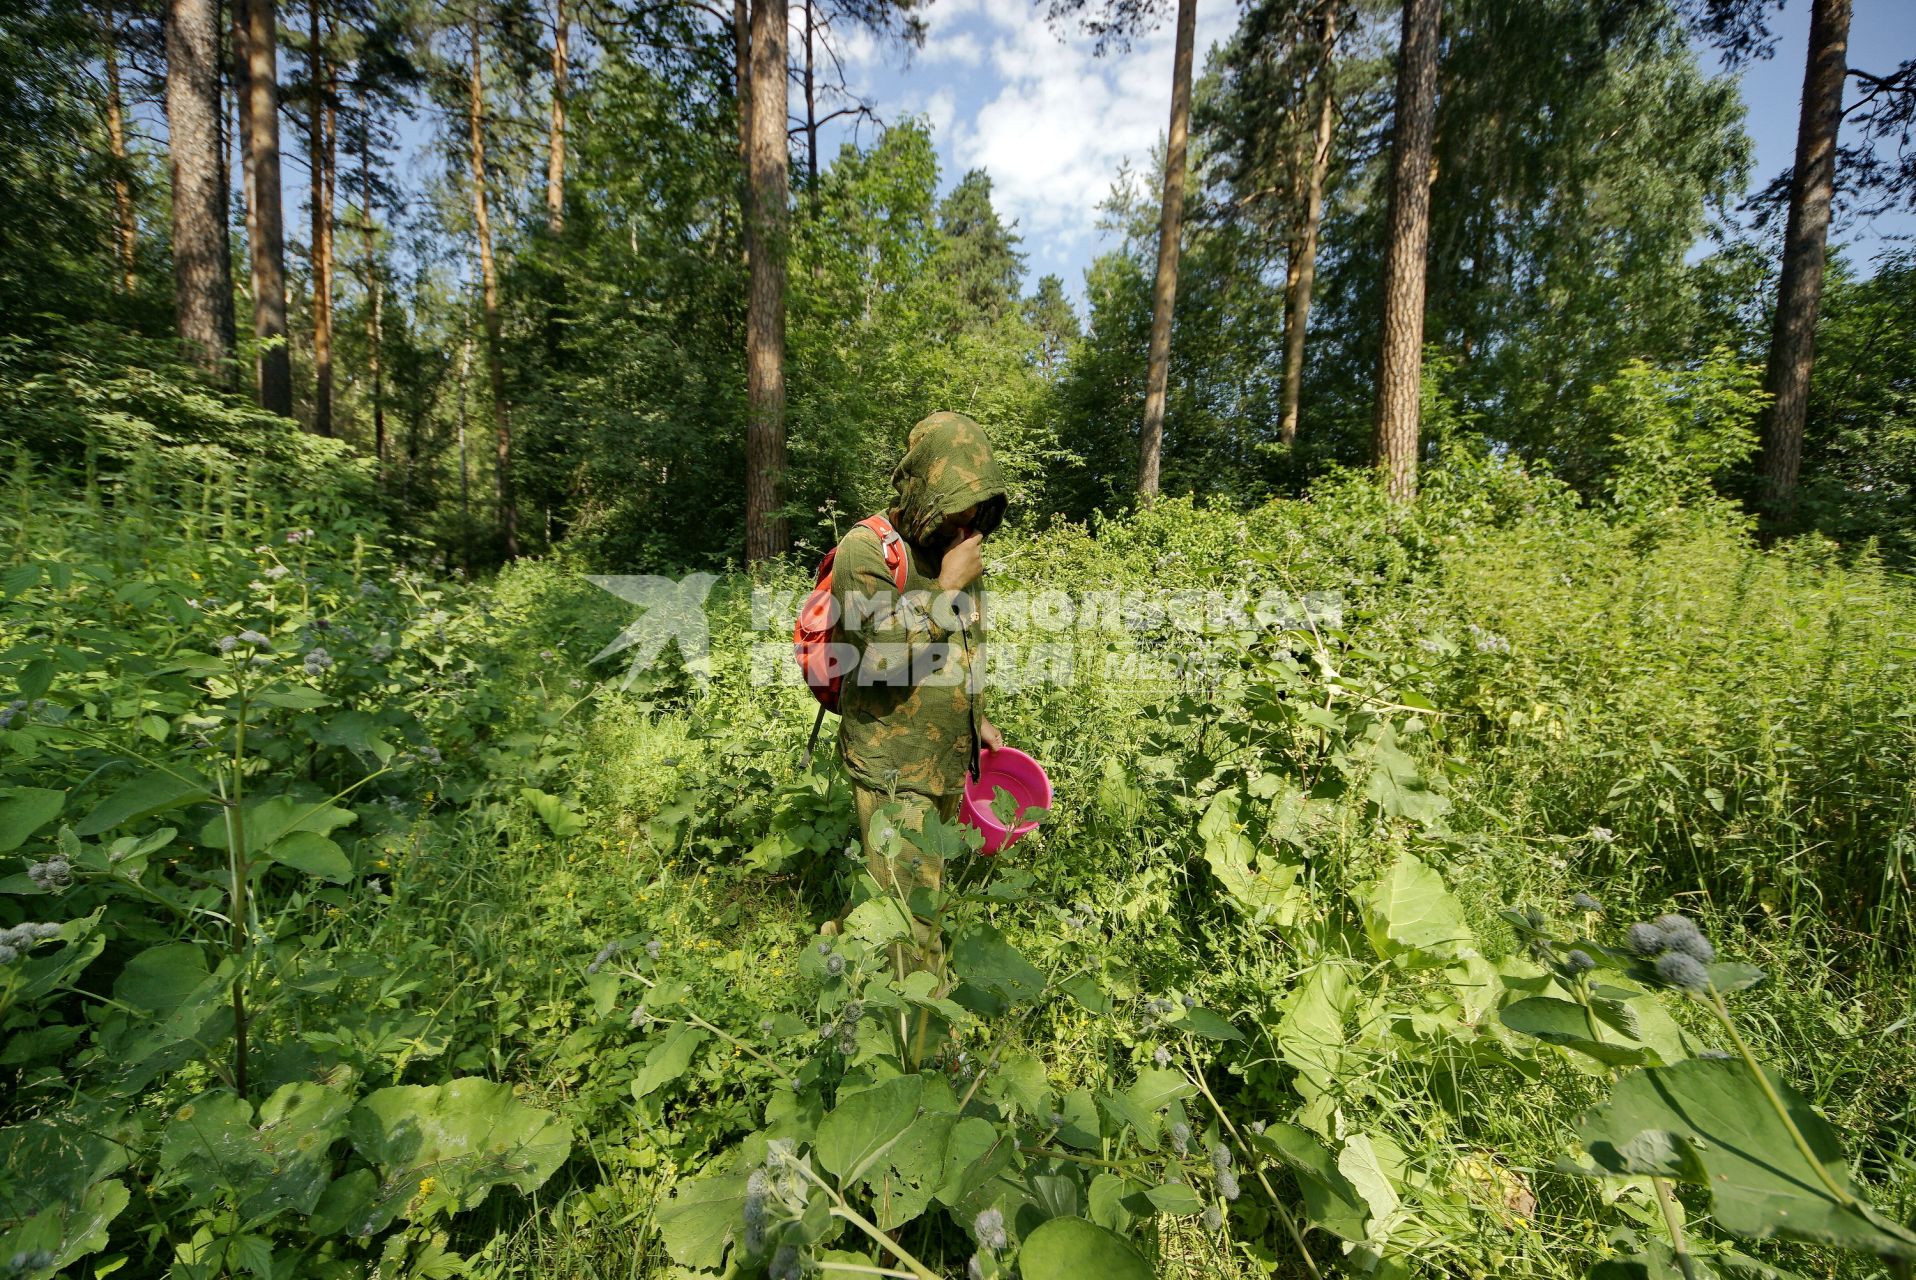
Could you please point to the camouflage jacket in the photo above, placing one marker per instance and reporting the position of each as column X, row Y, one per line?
column 906, row 709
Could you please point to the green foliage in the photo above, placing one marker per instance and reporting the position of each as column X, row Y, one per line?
column 1677, row 432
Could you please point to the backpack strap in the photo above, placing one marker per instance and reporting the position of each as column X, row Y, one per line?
column 894, row 547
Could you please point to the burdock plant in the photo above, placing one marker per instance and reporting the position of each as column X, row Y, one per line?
column 1680, row 960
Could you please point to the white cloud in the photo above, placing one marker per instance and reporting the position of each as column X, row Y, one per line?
column 961, row 47
column 1055, row 129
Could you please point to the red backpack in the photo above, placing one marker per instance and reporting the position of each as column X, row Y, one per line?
column 813, row 633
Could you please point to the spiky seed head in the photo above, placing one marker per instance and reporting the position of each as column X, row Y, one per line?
column 834, row 964
column 1227, row 1185
column 1584, row 902
column 1535, row 918
column 1161, row 1056
column 1181, row 1137
column 1214, row 1218
column 989, row 1229
column 1645, row 938
column 1684, row 972
column 1694, row 945
column 1579, row 961
column 1672, row 923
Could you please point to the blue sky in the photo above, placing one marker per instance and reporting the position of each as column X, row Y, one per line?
column 1052, row 123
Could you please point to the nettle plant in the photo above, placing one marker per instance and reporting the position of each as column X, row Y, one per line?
column 1720, row 1120
column 224, row 751
column 906, row 1109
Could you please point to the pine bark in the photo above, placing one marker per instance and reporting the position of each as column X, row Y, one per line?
column 1799, row 293
column 1394, row 440
column 320, row 150
column 375, row 293
column 768, row 161
column 243, row 121
column 268, row 242
column 1304, row 265
column 1170, row 228
column 200, row 269
column 555, row 140
column 125, row 226
column 508, row 509
column 811, row 104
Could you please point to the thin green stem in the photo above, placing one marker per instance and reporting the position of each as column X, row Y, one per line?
column 1256, row 1162
column 1678, row 1244
column 1717, row 1006
column 842, row 1210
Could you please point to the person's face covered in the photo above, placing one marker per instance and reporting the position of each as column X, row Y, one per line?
column 956, row 526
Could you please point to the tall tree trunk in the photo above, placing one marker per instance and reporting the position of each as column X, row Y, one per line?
column 555, row 141
column 742, row 79
column 125, row 227
column 811, row 106
column 243, row 124
column 1799, row 294
column 375, row 293
column 1394, row 441
column 319, row 148
column 465, row 469
column 229, row 323
column 1304, row 265
column 268, row 245
column 768, row 160
column 489, row 304
column 200, row 274
column 1170, row 228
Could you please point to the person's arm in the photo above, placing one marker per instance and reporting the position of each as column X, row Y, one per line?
column 869, row 610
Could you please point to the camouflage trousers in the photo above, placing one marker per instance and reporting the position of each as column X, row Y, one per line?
column 911, row 867
column 900, row 866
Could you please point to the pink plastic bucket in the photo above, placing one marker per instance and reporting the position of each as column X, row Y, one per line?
column 1017, row 773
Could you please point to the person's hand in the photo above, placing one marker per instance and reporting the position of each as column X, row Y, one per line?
column 989, row 736
column 962, row 564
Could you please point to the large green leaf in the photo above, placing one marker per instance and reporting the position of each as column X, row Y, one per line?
column 1413, row 919
column 171, row 1010
column 466, row 1136
column 981, row 956
column 1311, row 1032
column 154, row 791
column 66, row 1154
column 1074, row 1249
column 1397, row 788
column 1263, row 886
column 700, row 1217
column 24, row 810
column 211, row 1145
column 271, row 820
column 667, row 1060
column 1330, row 1200
column 68, row 1233
column 1567, row 1024
column 357, row 731
column 1374, row 1165
column 312, row 854
column 862, row 1127
column 1708, row 1121
column 559, row 817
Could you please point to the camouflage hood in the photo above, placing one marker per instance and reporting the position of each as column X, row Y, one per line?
column 946, row 468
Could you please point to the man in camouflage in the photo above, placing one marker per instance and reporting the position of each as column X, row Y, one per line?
column 908, row 707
